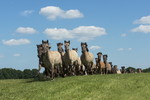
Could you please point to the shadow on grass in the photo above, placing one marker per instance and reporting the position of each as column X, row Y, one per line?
column 39, row 78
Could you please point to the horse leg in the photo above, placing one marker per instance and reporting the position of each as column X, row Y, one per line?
column 39, row 68
column 47, row 72
column 61, row 70
column 56, row 71
column 91, row 65
column 86, row 70
column 100, row 70
column 81, row 70
column 72, row 67
column 68, row 69
column 106, row 71
column 73, row 70
column 65, row 70
column 52, row 71
column 77, row 68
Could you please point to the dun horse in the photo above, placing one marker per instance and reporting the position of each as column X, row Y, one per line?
column 87, row 58
column 70, row 57
column 51, row 58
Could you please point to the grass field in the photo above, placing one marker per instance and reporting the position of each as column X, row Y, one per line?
column 92, row 87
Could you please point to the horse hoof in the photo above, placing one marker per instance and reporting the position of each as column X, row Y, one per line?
column 52, row 79
column 65, row 75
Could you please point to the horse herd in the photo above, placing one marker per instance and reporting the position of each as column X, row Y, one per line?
column 66, row 63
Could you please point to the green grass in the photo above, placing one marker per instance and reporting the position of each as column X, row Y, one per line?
column 92, row 87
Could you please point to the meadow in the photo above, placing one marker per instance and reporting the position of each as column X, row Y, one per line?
column 91, row 87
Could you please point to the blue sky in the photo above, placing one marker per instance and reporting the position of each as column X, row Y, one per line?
column 119, row 28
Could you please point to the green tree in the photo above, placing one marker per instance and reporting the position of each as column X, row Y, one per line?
column 27, row 73
column 147, row 70
column 34, row 73
column 9, row 73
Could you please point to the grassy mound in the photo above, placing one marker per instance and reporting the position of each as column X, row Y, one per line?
column 92, row 87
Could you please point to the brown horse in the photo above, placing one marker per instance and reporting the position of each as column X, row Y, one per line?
column 123, row 70
column 107, row 65
column 101, row 65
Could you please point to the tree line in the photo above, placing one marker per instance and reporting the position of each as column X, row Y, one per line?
column 147, row 70
column 9, row 73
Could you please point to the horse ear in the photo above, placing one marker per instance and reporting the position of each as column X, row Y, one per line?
column 106, row 55
column 49, row 46
column 57, row 44
column 47, row 41
column 69, row 41
column 86, row 44
column 99, row 53
column 77, row 49
column 42, row 41
column 82, row 51
column 65, row 41
column 110, row 63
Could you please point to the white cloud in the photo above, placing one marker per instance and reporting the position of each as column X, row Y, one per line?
column 58, row 34
column 12, row 42
column 120, row 49
column 143, row 20
column 81, row 33
column 72, row 14
column 16, row 55
column 142, row 28
column 86, row 33
column 124, row 35
column 53, row 12
column 27, row 12
column 129, row 49
column 95, row 47
column 26, row 30
column 124, row 49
